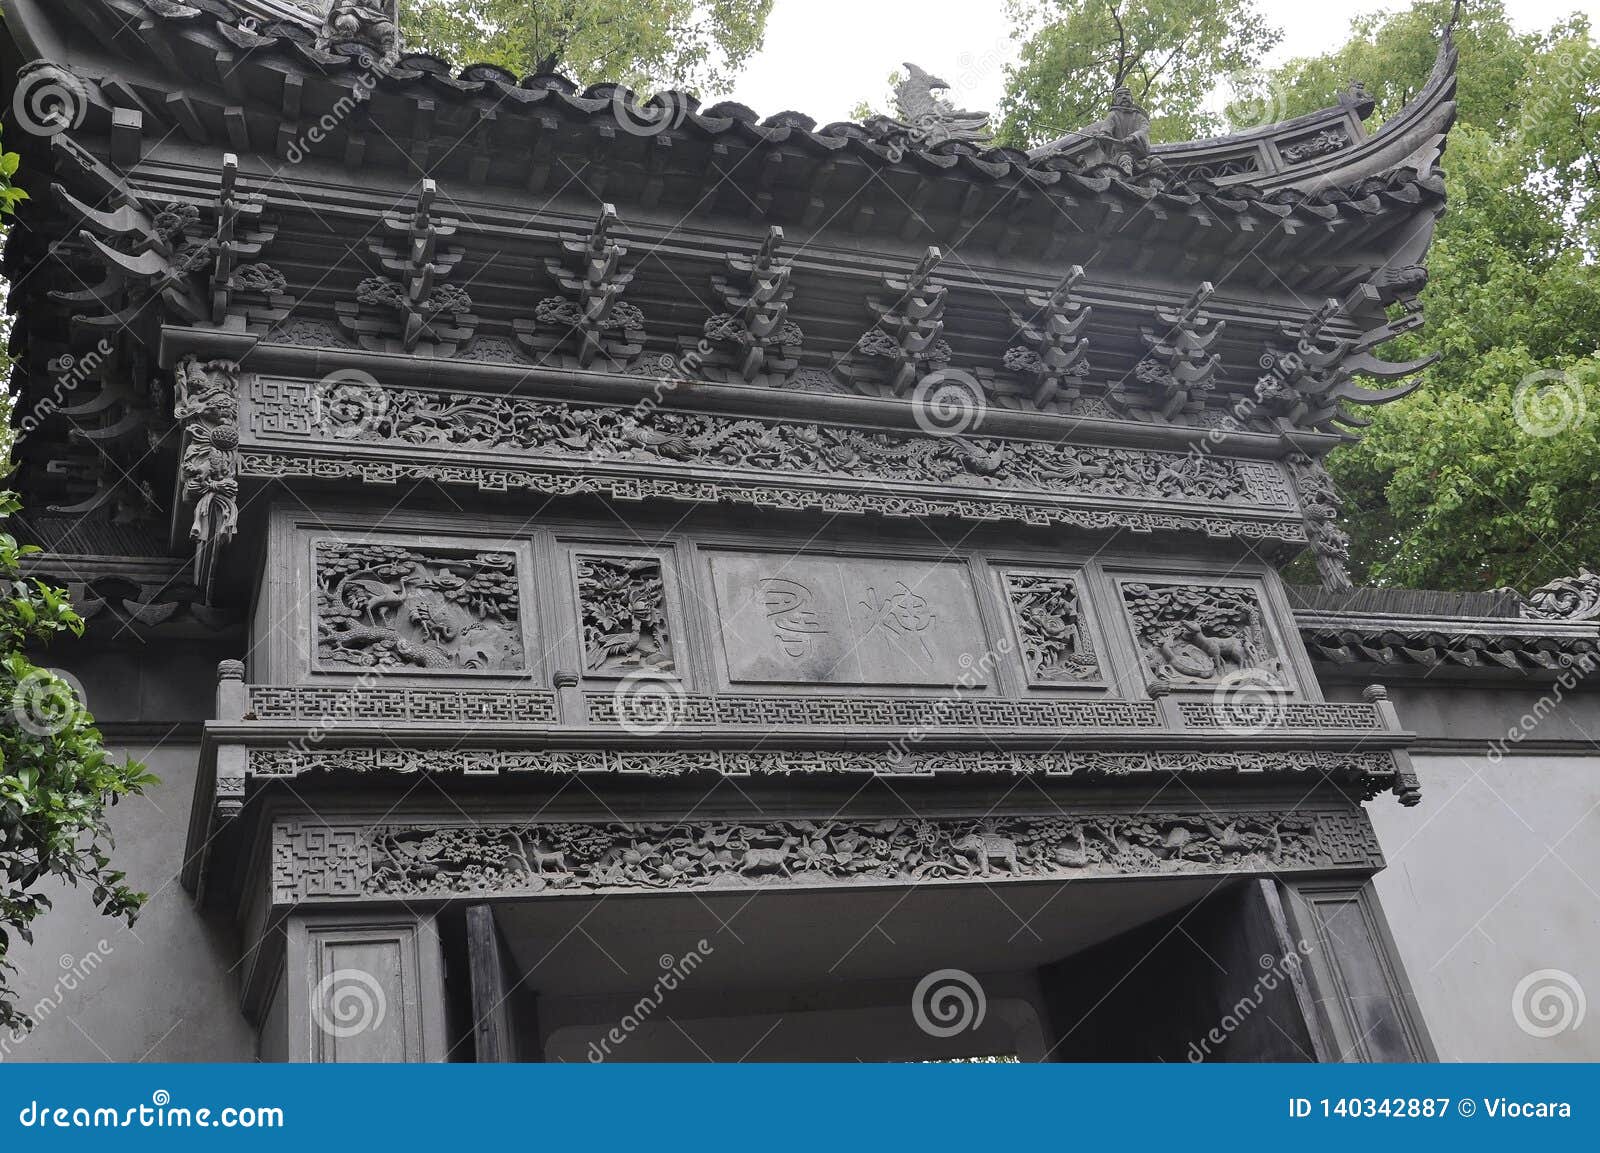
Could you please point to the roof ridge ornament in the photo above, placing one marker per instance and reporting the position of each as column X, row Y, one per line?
column 924, row 119
column 1570, row 598
column 356, row 27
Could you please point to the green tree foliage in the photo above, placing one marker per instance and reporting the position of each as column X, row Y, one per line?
column 1170, row 53
column 1488, row 476
column 647, row 44
column 56, row 779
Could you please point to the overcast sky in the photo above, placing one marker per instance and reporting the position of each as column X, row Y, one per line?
column 823, row 56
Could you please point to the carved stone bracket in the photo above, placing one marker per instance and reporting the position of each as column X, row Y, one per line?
column 589, row 319
column 1320, row 502
column 1050, row 351
column 206, row 404
column 323, row 861
column 1176, row 373
column 756, row 293
column 908, row 331
column 414, row 303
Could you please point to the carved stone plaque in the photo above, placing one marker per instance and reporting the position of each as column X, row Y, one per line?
column 858, row 621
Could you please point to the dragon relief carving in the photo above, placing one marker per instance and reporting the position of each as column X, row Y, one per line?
column 1573, row 598
column 391, row 607
column 1200, row 633
column 623, row 601
column 1319, row 499
column 587, row 435
column 442, row 861
column 1050, row 620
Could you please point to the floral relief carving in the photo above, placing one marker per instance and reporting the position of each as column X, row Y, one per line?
column 391, row 607
column 1200, row 633
column 623, row 602
column 1049, row 615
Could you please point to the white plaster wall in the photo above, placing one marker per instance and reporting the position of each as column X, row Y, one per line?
column 1496, row 875
column 163, row 990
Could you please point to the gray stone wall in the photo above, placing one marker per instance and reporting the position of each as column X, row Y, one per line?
column 163, row 990
column 1493, row 896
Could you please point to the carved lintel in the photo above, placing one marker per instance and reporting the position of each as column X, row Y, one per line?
column 327, row 861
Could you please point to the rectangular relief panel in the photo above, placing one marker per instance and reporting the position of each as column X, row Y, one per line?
column 1194, row 633
column 410, row 609
column 787, row 619
column 1050, row 616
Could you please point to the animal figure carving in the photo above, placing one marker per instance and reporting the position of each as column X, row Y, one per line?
column 768, row 860
column 986, row 849
column 926, row 118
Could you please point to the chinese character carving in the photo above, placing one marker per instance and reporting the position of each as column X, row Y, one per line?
column 790, row 607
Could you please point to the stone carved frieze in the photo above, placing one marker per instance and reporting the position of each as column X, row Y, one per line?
column 1320, row 144
column 391, row 607
column 1361, row 773
column 1190, row 633
column 1049, row 614
column 316, row 861
column 623, row 604
column 413, row 419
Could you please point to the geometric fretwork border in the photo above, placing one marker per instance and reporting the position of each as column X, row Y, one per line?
column 1369, row 771
column 313, row 860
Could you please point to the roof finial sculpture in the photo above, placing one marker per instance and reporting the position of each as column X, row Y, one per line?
column 371, row 24
column 924, row 119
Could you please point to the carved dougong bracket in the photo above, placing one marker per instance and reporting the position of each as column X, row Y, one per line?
column 1049, row 349
column 756, row 293
column 1176, row 373
column 258, row 291
column 908, row 334
column 591, row 317
column 1310, row 381
column 206, row 403
column 413, row 304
